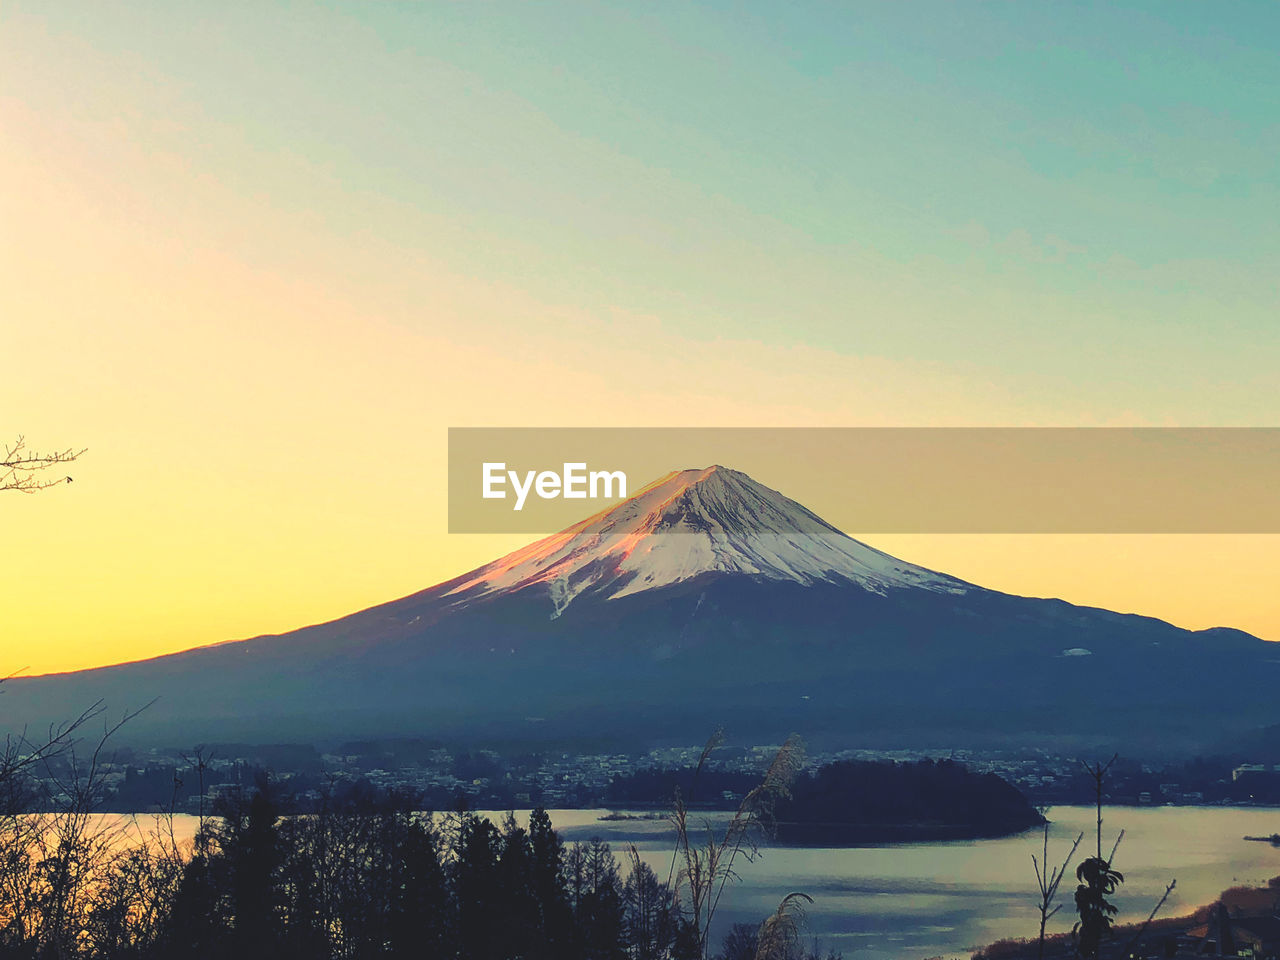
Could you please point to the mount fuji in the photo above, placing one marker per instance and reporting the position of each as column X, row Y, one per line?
column 690, row 523
column 706, row 598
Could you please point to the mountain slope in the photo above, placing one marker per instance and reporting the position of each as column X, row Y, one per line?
column 707, row 598
column 688, row 523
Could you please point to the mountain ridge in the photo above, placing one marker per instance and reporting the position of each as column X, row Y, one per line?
column 706, row 598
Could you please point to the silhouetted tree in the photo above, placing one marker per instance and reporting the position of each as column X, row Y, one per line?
column 595, row 890
column 555, row 919
column 250, row 848
column 740, row 942
column 649, row 914
column 199, row 924
column 687, row 944
column 478, row 890
column 418, row 925
column 1097, row 881
column 522, row 926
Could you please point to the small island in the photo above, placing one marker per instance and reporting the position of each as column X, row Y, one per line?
column 1274, row 839
column 851, row 802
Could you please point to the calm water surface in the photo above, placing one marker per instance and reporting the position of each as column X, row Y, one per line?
column 944, row 899
column 923, row 900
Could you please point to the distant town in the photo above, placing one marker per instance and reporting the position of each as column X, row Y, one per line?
column 157, row 780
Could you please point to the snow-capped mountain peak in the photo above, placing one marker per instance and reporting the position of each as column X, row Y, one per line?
column 689, row 523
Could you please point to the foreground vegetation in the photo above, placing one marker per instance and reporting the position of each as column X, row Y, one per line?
column 366, row 876
column 372, row 878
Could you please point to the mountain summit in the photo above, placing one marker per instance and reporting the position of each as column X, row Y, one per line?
column 705, row 599
column 688, row 523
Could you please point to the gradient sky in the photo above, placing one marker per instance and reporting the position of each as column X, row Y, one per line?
column 259, row 257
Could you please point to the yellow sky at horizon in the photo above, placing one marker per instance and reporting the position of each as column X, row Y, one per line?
column 264, row 370
column 239, row 480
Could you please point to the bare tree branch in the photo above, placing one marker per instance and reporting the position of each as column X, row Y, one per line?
column 24, row 470
column 1151, row 916
column 1049, row 880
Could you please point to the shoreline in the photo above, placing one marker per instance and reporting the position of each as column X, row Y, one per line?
column 1238, row 898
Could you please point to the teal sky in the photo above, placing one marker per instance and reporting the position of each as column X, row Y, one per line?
column 1070, row 196
column 258, row 257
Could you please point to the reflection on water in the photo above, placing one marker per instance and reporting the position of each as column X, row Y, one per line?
column 922, row 900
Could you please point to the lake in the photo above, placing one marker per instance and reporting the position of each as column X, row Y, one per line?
column 922, row 900
column 895, row 902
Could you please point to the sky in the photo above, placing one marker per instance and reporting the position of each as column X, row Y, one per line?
column 259, row 257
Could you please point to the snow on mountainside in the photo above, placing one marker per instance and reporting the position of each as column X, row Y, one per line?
column 688, row 523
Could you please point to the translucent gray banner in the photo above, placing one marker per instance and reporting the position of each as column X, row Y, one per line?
column 883, row 480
